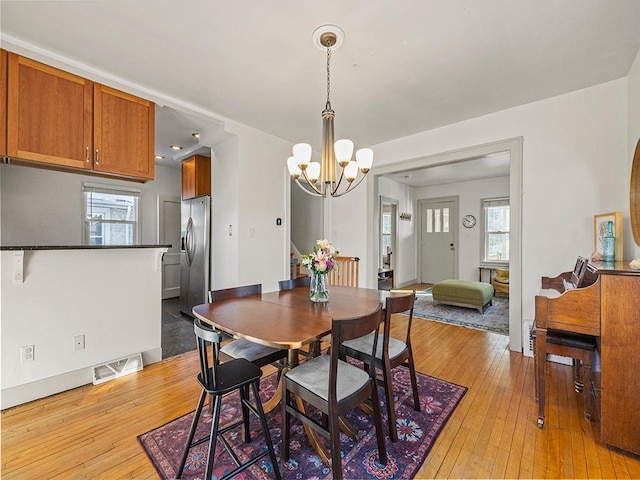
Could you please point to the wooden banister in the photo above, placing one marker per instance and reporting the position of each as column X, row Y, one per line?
column 346, row 273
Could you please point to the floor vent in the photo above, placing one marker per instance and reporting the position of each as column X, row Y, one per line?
column 527, row 341
column 117, row 368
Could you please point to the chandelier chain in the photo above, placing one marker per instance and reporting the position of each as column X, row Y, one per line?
column 328, row 77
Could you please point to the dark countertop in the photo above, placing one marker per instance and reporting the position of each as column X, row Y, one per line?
column 78, row 247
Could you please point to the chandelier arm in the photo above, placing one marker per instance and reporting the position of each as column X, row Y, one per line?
column 312, row 185
column 335, row 190
column 306, row 190
column 352, row 185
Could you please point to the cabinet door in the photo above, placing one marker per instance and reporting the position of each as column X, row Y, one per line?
column 196, row 177
column 49, row 114
column 188, row 178
column 124, row 133
column 3, row 102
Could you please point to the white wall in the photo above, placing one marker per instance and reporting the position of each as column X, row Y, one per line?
column 257, row 189
column 470, row 195
column 44, row 207
column 224, row 215
column 574, row 166
column 306, row 219
column 633, row 109
column 112, row 296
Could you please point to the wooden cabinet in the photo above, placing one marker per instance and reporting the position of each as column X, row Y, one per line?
column 3, row 103
column 124, row 133
column 196, row 176
column 620, row 359
column 55, row 118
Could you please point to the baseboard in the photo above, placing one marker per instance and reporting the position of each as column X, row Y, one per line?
column 28, row 392
column 406, row 284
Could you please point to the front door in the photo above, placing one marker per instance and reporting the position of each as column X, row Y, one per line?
column 438, row 236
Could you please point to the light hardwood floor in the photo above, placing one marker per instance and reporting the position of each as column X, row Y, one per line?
column 90, row 432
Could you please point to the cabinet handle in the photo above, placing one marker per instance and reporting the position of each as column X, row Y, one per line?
column 97, row 157
column 87, row 159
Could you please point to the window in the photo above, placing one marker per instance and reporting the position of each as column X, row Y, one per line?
column 111, row 215
column 386, row 236
column 496, row 229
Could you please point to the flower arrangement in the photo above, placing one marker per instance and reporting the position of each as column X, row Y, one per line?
column 322, row 259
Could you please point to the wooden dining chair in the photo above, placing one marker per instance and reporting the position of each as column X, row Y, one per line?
column 391, row 353
column 217, row 380
column 260, row 355
column 292, row 283
column 334, row 387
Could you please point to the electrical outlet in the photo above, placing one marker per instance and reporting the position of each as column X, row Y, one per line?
column 27, row 353
column 78, row 343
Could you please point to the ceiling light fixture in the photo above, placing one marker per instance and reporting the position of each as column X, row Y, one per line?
column 329, row 37
column 195, row 134
column 176, row 147
column 159, row 157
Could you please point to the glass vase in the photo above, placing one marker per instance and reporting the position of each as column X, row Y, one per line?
column 319, row 288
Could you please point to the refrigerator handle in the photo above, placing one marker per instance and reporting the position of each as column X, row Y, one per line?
column 187, row 241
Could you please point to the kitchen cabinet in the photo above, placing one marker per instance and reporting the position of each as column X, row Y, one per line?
column 196, row 176
column 57, row 119
column 124, row 133
column 3, row 103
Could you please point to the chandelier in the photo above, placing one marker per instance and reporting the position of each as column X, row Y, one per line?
column 320, row 178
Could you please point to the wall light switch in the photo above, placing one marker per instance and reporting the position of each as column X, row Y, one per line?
column 78, row 343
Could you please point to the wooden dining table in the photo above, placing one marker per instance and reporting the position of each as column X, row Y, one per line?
column 289, row 320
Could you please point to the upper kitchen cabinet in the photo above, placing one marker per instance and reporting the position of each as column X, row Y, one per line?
column 63, row 121
column 49, row 115
column 3, row 102
column 196, row 176
column 124, row 136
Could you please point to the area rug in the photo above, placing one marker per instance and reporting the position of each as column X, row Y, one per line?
column 494, row 319
column 417, row 432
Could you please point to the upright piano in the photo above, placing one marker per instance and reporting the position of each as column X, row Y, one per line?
column 603, row 300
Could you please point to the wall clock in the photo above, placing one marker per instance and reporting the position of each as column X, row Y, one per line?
column 469, row 221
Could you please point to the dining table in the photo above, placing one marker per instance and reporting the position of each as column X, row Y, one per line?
column 289, row 320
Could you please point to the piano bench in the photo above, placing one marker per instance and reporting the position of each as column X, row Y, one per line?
column 463, row 293
column 581, row 349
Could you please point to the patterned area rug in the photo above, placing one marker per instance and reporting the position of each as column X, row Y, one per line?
column 417, row 431
column 494, row 319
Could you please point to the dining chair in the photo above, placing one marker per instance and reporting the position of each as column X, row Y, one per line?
column 391, row 352
column 292, row 283
column 217, row 380
column 334, row 387
column 260, row 355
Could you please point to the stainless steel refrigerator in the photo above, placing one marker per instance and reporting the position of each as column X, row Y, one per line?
column 194, row 252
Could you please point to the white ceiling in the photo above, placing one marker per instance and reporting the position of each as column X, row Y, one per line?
column 405, row 66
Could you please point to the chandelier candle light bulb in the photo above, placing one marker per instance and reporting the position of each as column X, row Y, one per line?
column 329, row 37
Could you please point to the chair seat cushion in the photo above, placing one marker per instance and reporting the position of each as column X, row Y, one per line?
column 314, row 376
column 242, row 348
column 365, row 345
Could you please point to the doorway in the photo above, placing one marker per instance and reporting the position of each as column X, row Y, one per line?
column 169, row 234
column 513, row 148
column 388, row 233
column 438, row 239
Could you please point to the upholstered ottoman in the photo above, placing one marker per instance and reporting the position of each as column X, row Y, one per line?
column 463, row 293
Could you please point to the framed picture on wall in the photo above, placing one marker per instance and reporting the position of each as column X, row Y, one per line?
column 600, row 229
